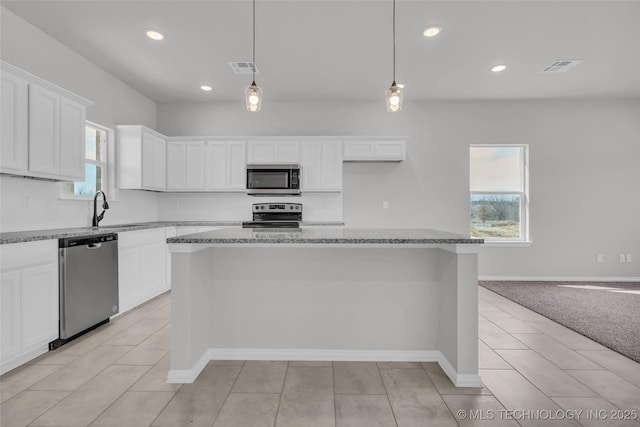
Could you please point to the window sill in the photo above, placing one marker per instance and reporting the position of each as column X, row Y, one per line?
column 84, row 199
column 81, row 199
column 506, row 244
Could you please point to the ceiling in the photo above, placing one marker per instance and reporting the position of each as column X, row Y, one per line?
column 328, row 50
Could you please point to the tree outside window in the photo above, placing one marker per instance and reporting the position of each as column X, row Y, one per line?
column 95, row 165
column 499, row 199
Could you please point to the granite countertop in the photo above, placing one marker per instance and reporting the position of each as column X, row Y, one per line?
column 59, row 233
column 326, row 235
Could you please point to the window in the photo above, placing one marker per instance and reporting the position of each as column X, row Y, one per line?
column 499, row 199
column 95, row 165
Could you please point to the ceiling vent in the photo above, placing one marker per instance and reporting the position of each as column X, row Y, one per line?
column 244, row 67
column 561, row 65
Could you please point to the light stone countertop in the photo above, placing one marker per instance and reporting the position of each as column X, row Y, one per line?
column 325, row 235
column 59, row 233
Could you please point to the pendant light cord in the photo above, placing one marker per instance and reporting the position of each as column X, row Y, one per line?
column 253, row 68
column 394, row 41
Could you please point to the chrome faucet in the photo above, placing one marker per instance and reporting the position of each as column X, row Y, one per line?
column 105, row 206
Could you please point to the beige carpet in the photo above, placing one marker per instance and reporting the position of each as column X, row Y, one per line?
column 606, row 312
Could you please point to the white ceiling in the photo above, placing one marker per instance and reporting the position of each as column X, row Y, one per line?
column 342, row 50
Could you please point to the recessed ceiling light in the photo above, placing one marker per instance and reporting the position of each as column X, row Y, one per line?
column 431, row 31
column 498, row 68
column 154, row 35
column 206, row 88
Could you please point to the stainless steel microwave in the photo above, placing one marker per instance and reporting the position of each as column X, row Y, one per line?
column 273, row 180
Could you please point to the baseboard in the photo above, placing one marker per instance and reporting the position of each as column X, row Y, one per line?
column 459, row 380
column 21, row 359
column 189, row 375
column 559, row 279
column 322, row 354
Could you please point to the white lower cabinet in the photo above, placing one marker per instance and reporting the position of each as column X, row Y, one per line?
column 29, row 301
column 142, row 266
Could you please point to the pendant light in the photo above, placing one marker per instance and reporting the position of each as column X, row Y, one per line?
column 394, row 93
column 253, row 94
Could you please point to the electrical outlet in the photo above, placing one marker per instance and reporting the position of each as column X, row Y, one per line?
column 600, row 258
column 622, row 258
column 26, row 202
column 629, row 258
column 385, row 204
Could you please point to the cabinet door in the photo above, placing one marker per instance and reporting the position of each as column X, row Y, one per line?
column 176, row 164
column 312, row 165
column 14, row 127
column 44, row 131
column 153, row 162
column 129, row 277
column 159, row 164
column 359, row 150
column 39, row 305
column 286, row 152
column 216, row 165
column 195, row 165
column 260, row 152
column 10, row 338
column 237, row 164
column 332, row 165
column 72, row 139
column 154, row 271
column 390, row 150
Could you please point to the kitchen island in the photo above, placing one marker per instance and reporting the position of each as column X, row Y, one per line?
column 325, row 294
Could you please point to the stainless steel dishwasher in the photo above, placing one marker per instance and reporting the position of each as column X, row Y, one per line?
column 88, row 284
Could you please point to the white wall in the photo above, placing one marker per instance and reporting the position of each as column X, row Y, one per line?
column 585, row 179
column 237, row 206
column 34, row 204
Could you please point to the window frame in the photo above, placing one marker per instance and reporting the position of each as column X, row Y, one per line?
column 524, row 238
column 105, row 164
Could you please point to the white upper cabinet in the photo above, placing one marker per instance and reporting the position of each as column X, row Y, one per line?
column 378, row 150
column 185, row 165
column 273, row 152
column 154, row 157
column 72, row 139
column 141, row 162
column 359, row 150
column 321, row 165
column 44, row 131
column 42, row 128
column 176, row 165
column 390, row 150
column 225, row 165
column 195, row 165
column 15, row 123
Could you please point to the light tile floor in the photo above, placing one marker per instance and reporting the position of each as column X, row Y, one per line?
column 535, row 372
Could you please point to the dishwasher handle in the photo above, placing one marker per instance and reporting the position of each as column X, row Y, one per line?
column 91, row 241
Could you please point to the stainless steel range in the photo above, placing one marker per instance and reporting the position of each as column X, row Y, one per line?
column 275, row 215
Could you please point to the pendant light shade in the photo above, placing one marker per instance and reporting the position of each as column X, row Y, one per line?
column 394, row 97
column 253, row 94
column 253, row 97
column 394, row 93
